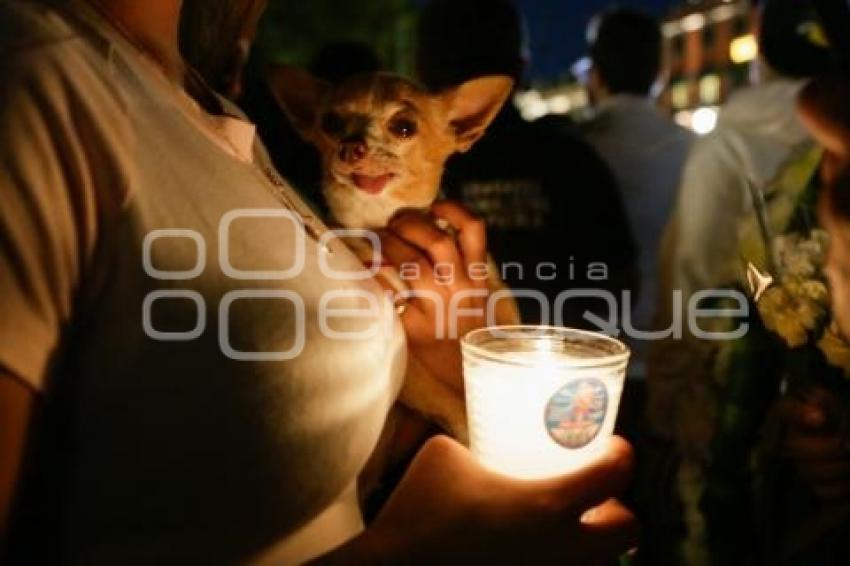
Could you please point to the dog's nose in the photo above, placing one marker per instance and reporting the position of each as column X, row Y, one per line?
column 352, row 151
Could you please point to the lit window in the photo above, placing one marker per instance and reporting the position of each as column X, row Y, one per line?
column 679, row 95
column 743, row 49
column 709, row 89
column 693, row 22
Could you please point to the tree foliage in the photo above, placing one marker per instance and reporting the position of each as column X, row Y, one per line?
column 292, row 31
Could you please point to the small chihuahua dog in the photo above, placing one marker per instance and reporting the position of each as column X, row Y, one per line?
column 384, row 142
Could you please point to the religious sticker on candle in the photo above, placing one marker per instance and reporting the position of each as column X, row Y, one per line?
column 541, row 400
column 575, row 413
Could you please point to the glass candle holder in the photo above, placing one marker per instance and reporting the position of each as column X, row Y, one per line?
column 541, row 401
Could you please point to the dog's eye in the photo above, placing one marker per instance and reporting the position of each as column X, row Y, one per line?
column 332, row 124
column 402, row 127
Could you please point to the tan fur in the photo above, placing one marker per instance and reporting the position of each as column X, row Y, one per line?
column 356, row 128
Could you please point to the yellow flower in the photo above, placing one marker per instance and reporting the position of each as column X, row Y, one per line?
column 816, row 291
column 836, row 350
column 785, row 315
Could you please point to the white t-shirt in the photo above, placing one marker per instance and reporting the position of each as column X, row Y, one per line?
column 178, row 442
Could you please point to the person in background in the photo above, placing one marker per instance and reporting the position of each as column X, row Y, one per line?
column 550, row 203
column 758, row 134
column 757, row 131
column 643, row 147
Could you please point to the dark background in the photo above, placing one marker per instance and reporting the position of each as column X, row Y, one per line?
column 557, row 29
column 293, row 29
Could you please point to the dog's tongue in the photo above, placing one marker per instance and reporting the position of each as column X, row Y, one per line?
column 370, row 184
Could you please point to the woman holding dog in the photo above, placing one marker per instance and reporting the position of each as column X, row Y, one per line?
column 148, row 410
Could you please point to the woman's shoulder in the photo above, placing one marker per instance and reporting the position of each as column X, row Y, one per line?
column 56, row 97
column 30, row 24
column 33, row 33
column 41, row 49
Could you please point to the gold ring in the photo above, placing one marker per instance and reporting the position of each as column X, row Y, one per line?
column 400, row 306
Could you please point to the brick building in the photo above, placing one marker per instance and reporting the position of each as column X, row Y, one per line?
column 708, row 45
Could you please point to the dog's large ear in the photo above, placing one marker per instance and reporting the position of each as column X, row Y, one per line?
column 301, row 96
column 471, row 107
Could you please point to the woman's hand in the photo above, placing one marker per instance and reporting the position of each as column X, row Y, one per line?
column 819, row 451
column 442, row 270
column 449, row 508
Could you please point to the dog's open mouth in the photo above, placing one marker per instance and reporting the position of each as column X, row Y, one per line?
column 372, row 184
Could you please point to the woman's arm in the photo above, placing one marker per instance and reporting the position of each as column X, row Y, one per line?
column 449, row 508
column 403, row 435
column 16, row 403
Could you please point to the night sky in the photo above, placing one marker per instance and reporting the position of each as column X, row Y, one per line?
column 557, row 29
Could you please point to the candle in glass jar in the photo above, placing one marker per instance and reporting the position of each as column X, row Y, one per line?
column 541, row 401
